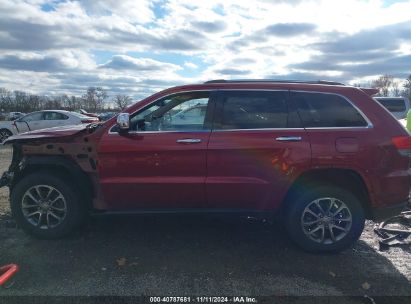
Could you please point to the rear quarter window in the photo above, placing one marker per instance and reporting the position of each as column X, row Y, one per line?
column 321, row 110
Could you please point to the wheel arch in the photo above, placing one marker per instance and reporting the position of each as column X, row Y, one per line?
column 60, row 166
column 345, row 178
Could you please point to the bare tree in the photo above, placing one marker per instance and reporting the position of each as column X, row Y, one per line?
column 94, row 98
column 6, row 99
column 395, row 89
column 122, row 101
column 383, row 83
column 407, row 87
column 71, row 103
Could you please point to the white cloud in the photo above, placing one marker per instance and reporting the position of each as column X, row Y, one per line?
column 123, row 62
column 131, row 10
column 55, row 50
column 190, row 65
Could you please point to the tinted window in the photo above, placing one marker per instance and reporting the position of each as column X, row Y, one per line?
column 254, row 110
column 32, row 117
column 326, row 110
column 393, row 105
column 54, row 116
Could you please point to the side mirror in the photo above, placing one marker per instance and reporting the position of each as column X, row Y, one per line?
column 123, row 121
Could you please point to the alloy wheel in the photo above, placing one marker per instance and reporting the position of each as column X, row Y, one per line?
column 326, row 220
column 44, row 206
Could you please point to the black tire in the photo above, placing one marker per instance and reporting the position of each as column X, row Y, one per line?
column 4, row 134
column 297, row 206
column 75, row 209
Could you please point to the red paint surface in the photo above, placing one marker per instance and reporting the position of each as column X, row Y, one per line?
column 243, row 169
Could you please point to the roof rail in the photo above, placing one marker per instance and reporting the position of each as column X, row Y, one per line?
column 275, row 81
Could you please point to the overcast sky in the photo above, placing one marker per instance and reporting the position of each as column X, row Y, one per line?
column 138, row 47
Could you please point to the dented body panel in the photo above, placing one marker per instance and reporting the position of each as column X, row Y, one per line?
column 69, row 148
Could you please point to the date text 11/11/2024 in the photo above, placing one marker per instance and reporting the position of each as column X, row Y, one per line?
column 202, row 299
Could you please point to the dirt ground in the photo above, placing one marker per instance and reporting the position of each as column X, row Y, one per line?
column 177, row 255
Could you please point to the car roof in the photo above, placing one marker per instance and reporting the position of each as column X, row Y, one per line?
column 58, row 111
column 323, row 82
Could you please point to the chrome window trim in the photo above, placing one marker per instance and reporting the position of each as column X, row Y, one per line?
column 155, row 100
column 258, row 129
column 154, row 132
column 368, row 121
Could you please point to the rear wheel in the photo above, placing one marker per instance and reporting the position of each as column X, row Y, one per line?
column 46, row 206
column 4, row 134
column 325, row 219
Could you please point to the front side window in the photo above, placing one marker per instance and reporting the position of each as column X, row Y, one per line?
column 255, row 110
column 321, row 110
column 179, row 112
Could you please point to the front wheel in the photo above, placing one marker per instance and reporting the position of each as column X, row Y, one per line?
column 325, row 219
column 46, row 206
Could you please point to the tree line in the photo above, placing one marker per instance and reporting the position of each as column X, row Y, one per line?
column 95, row 100
column 388, row 86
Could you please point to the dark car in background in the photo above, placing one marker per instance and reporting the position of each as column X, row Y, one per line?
column 106, row 115
column 323, row 155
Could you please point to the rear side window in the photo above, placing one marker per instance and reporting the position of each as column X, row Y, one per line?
column 393, row 105
column 54, row 116
column 254, row 110
column 320, row 110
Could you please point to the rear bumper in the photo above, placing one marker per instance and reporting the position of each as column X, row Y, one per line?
column 383, row 213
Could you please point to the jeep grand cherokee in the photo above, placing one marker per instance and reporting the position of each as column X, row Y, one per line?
column 322, row 155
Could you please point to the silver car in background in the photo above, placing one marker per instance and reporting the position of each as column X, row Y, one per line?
column 398, row 106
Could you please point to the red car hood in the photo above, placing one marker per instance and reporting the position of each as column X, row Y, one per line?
column 55, row 132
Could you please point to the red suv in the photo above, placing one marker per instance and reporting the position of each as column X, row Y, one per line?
column 323, row 155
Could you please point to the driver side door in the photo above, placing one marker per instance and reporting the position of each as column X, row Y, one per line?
column 160, row 163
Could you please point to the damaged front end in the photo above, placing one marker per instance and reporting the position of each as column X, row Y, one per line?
column 70, row 152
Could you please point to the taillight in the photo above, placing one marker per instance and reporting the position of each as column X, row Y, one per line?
column 403, row 144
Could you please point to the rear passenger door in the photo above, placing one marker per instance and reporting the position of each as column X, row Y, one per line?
column 256, row 148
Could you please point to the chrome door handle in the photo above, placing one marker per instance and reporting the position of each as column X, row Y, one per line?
column 189, row 141
column 289, row 138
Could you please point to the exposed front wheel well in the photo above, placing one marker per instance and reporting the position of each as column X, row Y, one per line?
column 342, row 178
column 78, row 179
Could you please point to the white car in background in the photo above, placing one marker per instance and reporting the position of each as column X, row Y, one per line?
column 398, row 106
column 43, row 120
column 15, row 115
